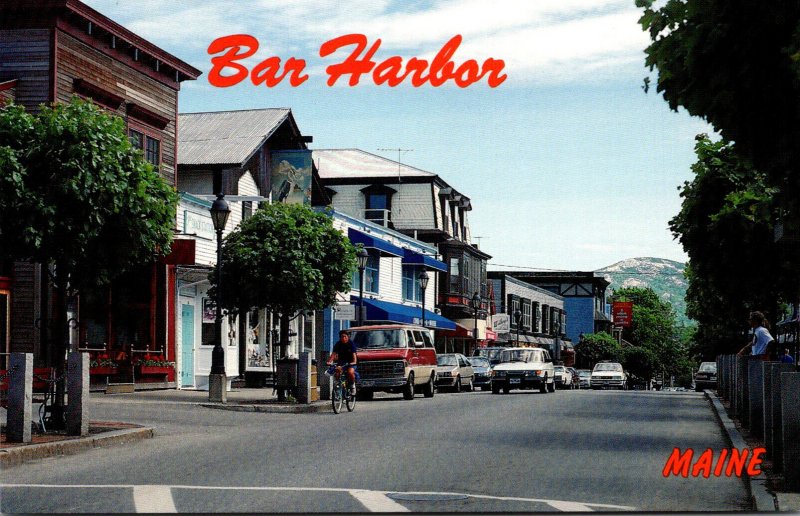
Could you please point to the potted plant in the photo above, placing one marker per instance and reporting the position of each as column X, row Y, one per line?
column 157, row 365
column 103, row 366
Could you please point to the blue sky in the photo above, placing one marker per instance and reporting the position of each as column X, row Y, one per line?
column 568, row 163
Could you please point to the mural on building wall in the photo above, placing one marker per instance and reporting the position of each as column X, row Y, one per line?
column 291, row 176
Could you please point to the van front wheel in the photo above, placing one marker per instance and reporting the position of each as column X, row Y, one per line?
column 408, row 391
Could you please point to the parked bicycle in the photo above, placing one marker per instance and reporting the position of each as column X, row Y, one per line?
column 341, row 390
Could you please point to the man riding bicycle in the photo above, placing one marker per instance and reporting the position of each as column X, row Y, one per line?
column 344, row 355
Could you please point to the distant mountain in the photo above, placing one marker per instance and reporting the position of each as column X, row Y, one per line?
column 665, row 277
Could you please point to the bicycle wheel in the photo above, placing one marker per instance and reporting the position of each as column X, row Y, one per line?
column 336, row 397
column 350, row 400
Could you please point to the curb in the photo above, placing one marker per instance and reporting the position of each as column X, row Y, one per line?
column 762, row 499
column 15, row 456
column 281, row 409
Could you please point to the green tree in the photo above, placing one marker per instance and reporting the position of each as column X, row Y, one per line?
column 286, row 257
column 737, row 65
column 78, row 198
column 596, row 347
column 653, row 327
column 725, row 226
column 640, row 361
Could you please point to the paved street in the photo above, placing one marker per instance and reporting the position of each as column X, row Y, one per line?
column 525, row 451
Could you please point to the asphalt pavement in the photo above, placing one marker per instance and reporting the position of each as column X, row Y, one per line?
column 475, row 452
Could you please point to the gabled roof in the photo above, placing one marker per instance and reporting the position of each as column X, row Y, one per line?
column 226, row 137
column 359, row 164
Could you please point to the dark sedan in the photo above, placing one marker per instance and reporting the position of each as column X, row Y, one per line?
column 482, row 370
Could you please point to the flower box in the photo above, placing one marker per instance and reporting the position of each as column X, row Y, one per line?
column 143, row 369
column 103, row 370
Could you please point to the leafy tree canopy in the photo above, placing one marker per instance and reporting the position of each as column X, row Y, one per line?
column 736, row 64
column 596, row 347
column 725, row 226
column 75, row 193
column 286, row 257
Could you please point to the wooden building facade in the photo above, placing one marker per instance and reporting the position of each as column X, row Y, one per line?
column 51, row 51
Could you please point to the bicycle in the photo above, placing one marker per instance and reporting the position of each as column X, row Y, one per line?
column 341, row 390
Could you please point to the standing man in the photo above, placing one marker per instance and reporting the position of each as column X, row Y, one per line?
column 762, row 339
column 344, row 354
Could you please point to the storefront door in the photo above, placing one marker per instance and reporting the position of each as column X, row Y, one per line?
column 187, row 345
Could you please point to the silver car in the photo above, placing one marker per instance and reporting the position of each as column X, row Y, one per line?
column 454, row 371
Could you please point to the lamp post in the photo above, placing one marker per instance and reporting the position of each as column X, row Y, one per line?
column 423, row 284
column 476, row 305
column 216, row 379
column 362, row 256
column 518, row 319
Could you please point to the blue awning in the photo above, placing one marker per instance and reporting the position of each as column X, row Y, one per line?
column 397, row 313
column 415, row 258
column 386, row 248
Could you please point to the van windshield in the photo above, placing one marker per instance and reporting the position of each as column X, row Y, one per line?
column 377, row 339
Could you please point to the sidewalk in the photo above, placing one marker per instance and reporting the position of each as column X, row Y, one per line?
column 107, row 433
column 764, row 497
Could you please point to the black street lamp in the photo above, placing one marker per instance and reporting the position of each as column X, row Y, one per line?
column 476, row 305
column 362, row 256
column 518, row 319
column 423, row 284
column 219, row 216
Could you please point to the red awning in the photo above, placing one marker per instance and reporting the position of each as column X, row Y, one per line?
column 182, row 252
column 491, row 334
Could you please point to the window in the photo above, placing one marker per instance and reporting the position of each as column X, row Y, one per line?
column 137, row 139
column 378, row 204
column 371, row 272
column 537, row 317
column 247, row 209
column 455, row 274
column 147, row 144
column 513, row 306
column 526, row 314
column 411, row 290
column 153, row 151
column 546, row 319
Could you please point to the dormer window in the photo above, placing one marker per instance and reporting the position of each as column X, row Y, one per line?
column 378, row 204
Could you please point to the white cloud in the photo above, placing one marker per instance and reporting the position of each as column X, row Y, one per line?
column 550, row 41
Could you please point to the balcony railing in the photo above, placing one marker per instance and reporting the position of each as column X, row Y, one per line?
column 380, row 217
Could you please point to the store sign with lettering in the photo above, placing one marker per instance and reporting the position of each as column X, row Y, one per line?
column 200, row 225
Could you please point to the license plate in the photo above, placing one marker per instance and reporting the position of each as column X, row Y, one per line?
column 514, row 380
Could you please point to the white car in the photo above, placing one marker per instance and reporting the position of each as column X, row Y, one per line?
column 609, row 375
column 454, row 371
column 521, row 368
column 563, row 377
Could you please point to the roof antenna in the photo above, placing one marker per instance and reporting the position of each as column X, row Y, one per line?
column 399, row 153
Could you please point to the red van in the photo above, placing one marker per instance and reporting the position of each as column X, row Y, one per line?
column 395, row 358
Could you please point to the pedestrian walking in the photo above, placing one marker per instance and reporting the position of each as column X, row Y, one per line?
column 786, row 358
column 762, row 343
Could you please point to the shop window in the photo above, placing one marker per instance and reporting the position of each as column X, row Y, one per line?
column 207, row 334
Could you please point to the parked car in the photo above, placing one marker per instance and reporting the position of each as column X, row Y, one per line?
column 575, row 381
column 491, row 352
column 521, row 368
column 706, row 376
column 563, row 377
column 609, row 374
column 584, row 378
column 395, row 358
column 482, row 369
column 454, row 371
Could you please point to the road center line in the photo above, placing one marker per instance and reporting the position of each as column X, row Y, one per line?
column 376, row 501
column 569, row 506
column 153, row 499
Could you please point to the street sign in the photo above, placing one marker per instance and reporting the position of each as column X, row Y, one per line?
column 501, row 323
column 623, row 313
column 345, row 313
